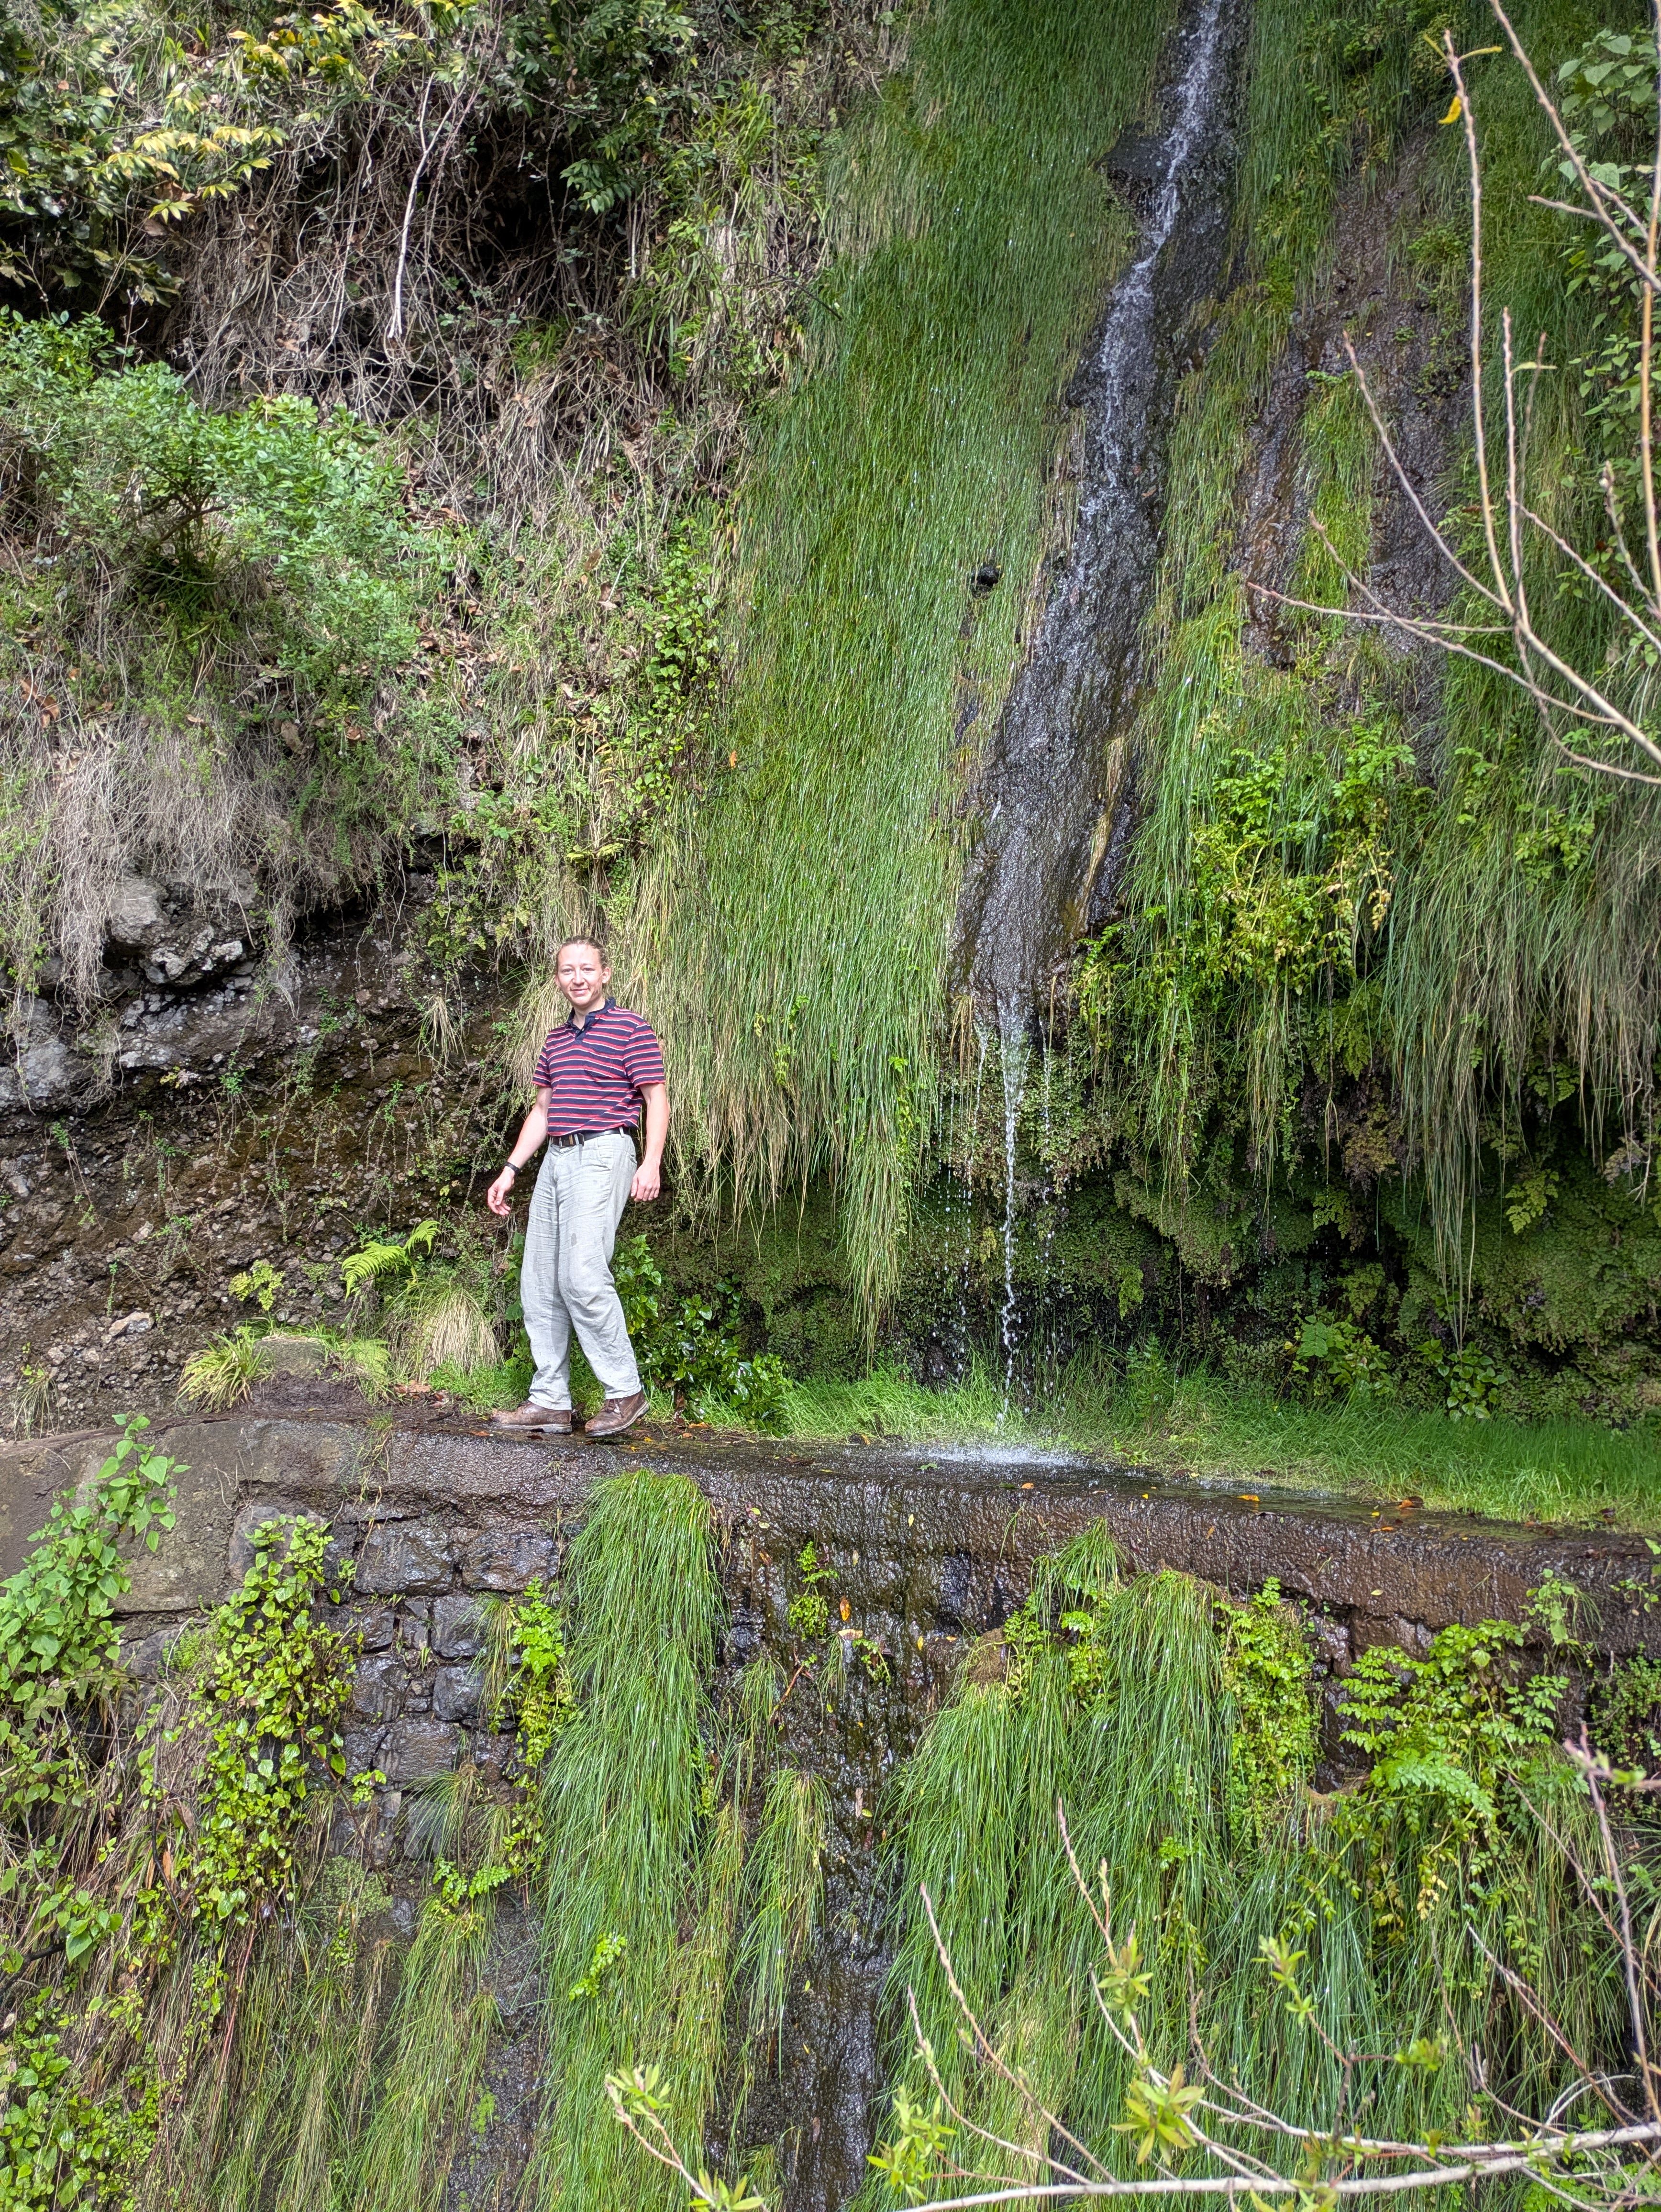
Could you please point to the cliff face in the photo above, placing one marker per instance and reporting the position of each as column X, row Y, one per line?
column 647, row 471
column 870, row 509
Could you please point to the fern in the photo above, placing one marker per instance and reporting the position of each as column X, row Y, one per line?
column 381, row 1257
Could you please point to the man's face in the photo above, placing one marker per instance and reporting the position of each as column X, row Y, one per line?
column 583, row 976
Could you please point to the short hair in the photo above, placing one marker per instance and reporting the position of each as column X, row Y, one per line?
column 592, row 943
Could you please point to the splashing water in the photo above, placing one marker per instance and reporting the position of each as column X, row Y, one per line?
column 1014, row 1058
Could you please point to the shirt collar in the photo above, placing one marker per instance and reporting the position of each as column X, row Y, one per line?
column 582, row 1028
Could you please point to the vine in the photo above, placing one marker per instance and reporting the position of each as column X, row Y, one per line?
column 142, row 1858
column 1267, row 1672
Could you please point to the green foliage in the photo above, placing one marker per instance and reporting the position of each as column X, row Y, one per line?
column 265, row 1697
column 1267, row 1672
column 785, row 1885
column 589, row 799
column 538, row 1694
column 293, row 515
column 1159, row 2124
column 130, row 1878
column 382, row 1259
column 109, row 146
column 1626, row 1724
column 225, row 604
column 689, row 1347
column 59, row 2147
column 809, row 1611
column 607, row 1954
column 1471, row 1374
column 1446, row 1733
column 58, row 1645
column 913, row 2161
column 57, row 1634
column 262, row 1283
column 1334, row 1358
column 1377, row 1915
column 621, row 55
column 222, row 1373
column 437, row 1312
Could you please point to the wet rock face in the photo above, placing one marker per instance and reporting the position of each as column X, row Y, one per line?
column 922, row 1556
column 1054, row 775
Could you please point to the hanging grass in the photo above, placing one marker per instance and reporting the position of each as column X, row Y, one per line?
column 786, row 1891
column 627, row 1840
column 794, row 948
column 440, row 2032
column 1307, row 898
column 1152, row 1713
column 276, row 2121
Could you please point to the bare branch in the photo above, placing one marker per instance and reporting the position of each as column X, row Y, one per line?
column 1407, row 483
column 1602, row 197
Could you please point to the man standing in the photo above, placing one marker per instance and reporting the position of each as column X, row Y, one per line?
column 595, row 1073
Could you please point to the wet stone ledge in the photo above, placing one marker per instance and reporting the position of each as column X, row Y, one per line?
column 930, row 1550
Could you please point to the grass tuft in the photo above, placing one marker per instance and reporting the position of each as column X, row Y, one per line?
column 623, row 1806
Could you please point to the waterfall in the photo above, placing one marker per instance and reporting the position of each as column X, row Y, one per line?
column 1054, row 769
column 1014, row 1056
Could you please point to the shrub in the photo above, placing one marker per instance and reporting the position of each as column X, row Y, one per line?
column 689, row 1347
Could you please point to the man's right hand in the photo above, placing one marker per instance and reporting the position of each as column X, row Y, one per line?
column 497, row 1198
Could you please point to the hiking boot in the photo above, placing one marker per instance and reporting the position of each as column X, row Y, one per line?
column 529, row 1421
column 615, row 1415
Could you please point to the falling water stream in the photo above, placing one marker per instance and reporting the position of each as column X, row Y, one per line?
column 1014, row 1054
column 1055, row 766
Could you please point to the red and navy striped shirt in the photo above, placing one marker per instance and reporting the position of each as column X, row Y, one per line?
column 594, row 1075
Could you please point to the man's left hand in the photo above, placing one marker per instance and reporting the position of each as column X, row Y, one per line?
column 648, row 1181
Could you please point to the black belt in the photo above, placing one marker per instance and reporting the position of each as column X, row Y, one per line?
column 581, row 1136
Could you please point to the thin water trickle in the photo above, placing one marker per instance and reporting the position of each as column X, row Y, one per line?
column 1014, row 1057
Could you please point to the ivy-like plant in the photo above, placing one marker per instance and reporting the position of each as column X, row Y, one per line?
column 59, row 1639
column 1266, row 1670
column 273, row 1679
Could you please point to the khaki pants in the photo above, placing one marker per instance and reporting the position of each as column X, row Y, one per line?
column 566, row 1279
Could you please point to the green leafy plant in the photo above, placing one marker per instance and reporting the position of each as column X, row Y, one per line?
column 606, row 1957
column 1626, row 1724
column 262, row 1283
column 1472, row 1377
column 1267, row 1670
column 913, row 2161
column 689, row 1347
column 809, row 1610
column 385, row 1259
column 223, row 1372
column 260, row 1722
column 59, row 1639
column 1447, row 1735
column 1334, row 1358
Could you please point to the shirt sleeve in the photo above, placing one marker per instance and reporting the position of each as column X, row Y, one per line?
column 642, row 1057
column 543, row 1078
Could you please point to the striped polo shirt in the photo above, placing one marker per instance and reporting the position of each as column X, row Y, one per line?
column 595, row 1074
